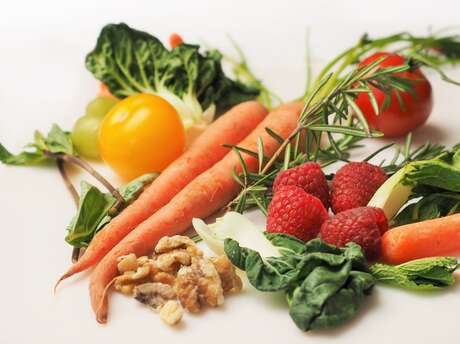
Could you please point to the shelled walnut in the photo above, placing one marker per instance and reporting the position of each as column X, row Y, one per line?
column 177, row 277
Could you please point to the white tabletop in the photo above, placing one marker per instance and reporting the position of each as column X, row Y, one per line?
column 43, row 80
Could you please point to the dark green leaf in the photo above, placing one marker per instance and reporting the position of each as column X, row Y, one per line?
column 130, row 61
column 324, row 284
column 93, row 207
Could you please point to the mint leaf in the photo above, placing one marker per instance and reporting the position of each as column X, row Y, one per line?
column 57, row 141
column 421, row 274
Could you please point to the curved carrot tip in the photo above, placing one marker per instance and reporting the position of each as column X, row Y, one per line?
column 63, row 277
column 101, row 311
column 175, row 40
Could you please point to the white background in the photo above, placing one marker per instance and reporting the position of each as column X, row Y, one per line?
column 43, row 80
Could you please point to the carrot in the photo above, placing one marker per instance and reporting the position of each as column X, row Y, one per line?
column 104, row 91
column 231, row 127
column 175, row 40
column 422, row 239
column 206, row 194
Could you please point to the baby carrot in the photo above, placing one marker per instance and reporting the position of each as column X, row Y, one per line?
column 422, row 239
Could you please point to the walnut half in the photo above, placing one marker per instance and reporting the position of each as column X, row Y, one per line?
column 154, row 295
column 199, row 284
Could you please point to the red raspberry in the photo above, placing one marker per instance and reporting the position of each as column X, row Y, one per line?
column 354, row 185
column 363, row 226
column 308, row 176
column 293, row 211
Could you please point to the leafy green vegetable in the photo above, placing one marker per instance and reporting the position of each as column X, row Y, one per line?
column 441, row 172
column 421, row 274
column 57, row 141
column 96, row 209
column 93, row 207
column 432, row 186
column 428, row 203
column 129, row 61
column 324, row 284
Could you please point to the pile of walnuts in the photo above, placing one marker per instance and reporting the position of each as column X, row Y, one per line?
column 177, row 276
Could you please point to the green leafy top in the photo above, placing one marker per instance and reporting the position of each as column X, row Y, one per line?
column 324, row 284
column 130, row 61
column 56, row 142
column 421, row 274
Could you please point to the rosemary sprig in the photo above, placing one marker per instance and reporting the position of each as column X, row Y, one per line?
column 318, row 118
column 405, row 154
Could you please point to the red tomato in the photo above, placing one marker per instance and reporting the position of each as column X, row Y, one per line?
column 394, row 120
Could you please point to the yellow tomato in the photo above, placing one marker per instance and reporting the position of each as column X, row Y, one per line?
column 142, row 133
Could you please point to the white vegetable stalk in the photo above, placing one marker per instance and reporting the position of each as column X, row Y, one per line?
column 392, row 195
column 237, row 227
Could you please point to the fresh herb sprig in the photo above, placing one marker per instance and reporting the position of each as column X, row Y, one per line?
column 328, row 116
column 405, row 154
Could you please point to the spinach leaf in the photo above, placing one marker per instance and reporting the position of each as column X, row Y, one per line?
column 324, row 284
column 57, row 141
column 428, row 203
column 130, row 61
column 95, row 209
column 421, row 274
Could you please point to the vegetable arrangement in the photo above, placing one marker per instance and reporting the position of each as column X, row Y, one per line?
column 193, row 141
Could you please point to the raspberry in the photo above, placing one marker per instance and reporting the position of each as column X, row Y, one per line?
column 309, row 177
column 363, row 226
column 354, row 185
column 293, row 211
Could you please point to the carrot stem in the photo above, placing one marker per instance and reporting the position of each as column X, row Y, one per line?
column 88, row 168
column 67, row 181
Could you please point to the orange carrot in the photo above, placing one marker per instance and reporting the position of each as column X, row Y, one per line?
column 206, row 194
column 231, row 127
column 175, row 40
column 104, row 91
column 422, row 239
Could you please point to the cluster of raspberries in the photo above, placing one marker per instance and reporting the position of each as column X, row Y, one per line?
column 302, row 197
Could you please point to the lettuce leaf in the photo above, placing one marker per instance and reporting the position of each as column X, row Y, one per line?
column 130, row 61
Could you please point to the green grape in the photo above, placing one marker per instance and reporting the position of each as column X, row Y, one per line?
column 99, row 106
column 85, row 136
column 86, row 129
